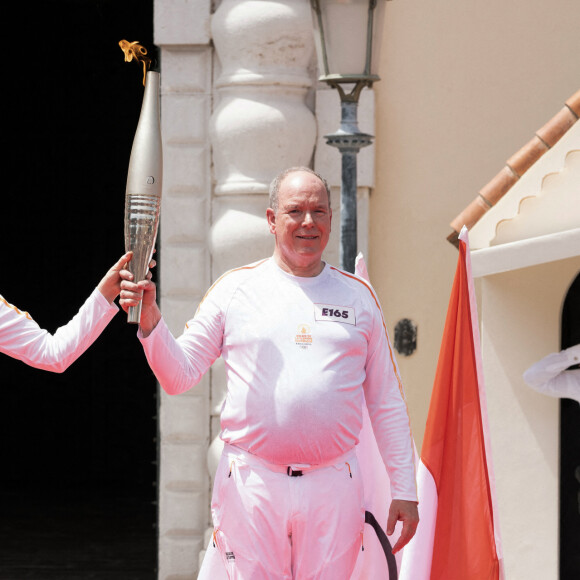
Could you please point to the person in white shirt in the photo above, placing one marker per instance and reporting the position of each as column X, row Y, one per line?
column 550, row 375
column 22, row 338
column 301, row 341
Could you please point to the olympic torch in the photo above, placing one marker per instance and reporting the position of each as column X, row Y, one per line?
column 143, row 191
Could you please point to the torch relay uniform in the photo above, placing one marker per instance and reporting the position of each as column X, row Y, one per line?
column 23, row 339
column 299, row 352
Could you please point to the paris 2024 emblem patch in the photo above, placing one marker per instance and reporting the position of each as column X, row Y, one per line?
column 303, row 338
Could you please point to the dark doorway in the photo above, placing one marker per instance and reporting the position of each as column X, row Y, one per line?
column 570, row 450
column 78, row 450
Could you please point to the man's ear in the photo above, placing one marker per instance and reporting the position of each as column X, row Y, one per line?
column 271, row 217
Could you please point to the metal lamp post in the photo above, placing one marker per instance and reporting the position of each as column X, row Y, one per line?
column 347, row 40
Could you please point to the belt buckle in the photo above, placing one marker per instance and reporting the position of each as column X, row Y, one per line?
column 293, row 473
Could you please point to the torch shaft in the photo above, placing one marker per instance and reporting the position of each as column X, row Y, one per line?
column 143, row 192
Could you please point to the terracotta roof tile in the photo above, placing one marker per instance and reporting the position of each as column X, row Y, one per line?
column 573, row 103
column 551, row 132
column 521, row 161
column 499, row 186
column 469, row 216
column 544, row 139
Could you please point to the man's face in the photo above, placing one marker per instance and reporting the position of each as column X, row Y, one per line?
column 301, row 224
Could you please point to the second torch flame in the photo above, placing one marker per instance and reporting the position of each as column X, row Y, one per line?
column 144, row 179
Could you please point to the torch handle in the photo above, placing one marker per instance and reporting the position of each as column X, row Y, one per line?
column 141, row 223
column 134, row 314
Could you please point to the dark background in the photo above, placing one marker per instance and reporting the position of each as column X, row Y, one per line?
column 570, row 449
column 78, row 449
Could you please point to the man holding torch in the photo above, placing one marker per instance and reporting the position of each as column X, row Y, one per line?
column 301, row 341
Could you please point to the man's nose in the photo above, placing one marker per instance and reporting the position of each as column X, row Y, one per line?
column 308, row 218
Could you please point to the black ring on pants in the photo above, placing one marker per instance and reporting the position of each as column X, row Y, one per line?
column 386, row 545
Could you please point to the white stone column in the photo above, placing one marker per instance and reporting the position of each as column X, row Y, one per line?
column 182, row 34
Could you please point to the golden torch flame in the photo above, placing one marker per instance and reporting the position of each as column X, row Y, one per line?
column 133, row 50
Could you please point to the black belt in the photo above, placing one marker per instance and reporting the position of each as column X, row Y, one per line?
column 294, row 473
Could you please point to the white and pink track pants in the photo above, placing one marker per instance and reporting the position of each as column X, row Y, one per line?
column 271, row 523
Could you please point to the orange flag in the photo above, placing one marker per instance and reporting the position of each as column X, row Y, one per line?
column 458, row 536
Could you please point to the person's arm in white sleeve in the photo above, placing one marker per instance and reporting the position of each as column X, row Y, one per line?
column 178, row 364
column 550, row 377
column 390, row 420
column 388, row 413
column 22, row 338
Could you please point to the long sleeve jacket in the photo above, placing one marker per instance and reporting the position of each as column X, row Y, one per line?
column 299, row 353
column 22, row 338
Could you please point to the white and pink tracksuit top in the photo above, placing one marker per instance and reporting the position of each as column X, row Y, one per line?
column 298, row 354
column 23, row 339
